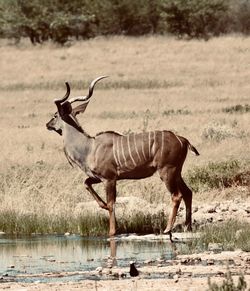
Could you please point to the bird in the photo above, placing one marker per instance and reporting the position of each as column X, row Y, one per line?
column 133, row 271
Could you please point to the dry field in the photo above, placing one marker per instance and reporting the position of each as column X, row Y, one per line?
column 154, row 83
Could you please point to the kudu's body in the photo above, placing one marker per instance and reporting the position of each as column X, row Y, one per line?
column 109, row 157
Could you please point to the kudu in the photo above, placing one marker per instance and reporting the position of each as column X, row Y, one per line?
column 110, row 156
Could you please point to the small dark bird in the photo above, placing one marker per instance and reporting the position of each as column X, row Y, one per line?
column 133, row 271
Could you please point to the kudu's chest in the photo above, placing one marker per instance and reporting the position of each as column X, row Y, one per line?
column 78, row 154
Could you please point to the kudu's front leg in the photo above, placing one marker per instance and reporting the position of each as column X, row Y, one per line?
column 88, row 183
column 111, row 198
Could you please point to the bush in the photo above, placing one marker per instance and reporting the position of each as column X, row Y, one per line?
column 217, row 175
column 218, row 131
column 228, row 284
column 61, row 20
column 237, row 109
column 231, row 234
column 195, row 18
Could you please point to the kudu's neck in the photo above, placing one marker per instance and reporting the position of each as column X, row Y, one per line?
column 77, row 145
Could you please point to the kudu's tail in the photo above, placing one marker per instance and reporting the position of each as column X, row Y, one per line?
column 193, row 149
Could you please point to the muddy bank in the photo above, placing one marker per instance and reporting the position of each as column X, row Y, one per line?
column 186, row 272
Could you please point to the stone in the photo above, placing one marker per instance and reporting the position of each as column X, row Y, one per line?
column 215, row 247
column 99, row 270
column 176, row 278
column 147, row 262
column 211, row 210
column 195, row 209
column 210, row 261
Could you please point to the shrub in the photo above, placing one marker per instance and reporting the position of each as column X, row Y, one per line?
column 241, row 13
column 232, row 234
column 217, row 175
column 176, row 112
column 228, row 284
column 195, row 18
column 218, row 131
column 237, row 109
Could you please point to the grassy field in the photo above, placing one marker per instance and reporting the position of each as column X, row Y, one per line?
column 197, row 89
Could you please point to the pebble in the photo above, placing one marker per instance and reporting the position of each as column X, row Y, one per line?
column 210, row 261
column 51, row 260
column 176, row 278
column 195, row 209
column 215, row 247
column 99, row 270
column 159, row 260
column 211, row 210
column 122, row 274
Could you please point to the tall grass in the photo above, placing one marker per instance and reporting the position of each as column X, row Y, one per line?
column 232, row 234
column 216, row 175
column 229, row 235
column 155, row 83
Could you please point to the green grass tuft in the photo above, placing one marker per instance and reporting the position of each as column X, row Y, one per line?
column 237, row 109
column 232, row 234
column 217, row 175
column 228, row 284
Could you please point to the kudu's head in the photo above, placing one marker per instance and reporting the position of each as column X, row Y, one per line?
column 66, row 113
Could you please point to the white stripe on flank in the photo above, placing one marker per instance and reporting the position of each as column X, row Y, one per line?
column 129, row 150
column 116, row 161
column 149, row 141
column 154, row 141
column 179, row 140
column 162, row 142
column 118, row 152
column 143, row 142
column 136, row 149
column 123, row 154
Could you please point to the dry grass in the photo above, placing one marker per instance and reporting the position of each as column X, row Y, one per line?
column 148, row 76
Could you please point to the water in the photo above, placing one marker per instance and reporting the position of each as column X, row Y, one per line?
column 29, row 256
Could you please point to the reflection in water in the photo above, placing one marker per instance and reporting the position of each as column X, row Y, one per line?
column 41, row 254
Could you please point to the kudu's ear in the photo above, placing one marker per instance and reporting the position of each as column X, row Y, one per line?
column 79, row 109
column 65, row 108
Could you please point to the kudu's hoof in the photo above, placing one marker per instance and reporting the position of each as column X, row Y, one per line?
column 169, row 232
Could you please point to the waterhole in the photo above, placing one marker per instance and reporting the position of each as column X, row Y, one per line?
column 28, row 258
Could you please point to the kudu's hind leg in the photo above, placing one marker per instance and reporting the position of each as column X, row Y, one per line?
column 88, row 183
column 187, row 197
column 111, row 198
column 170, row 178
